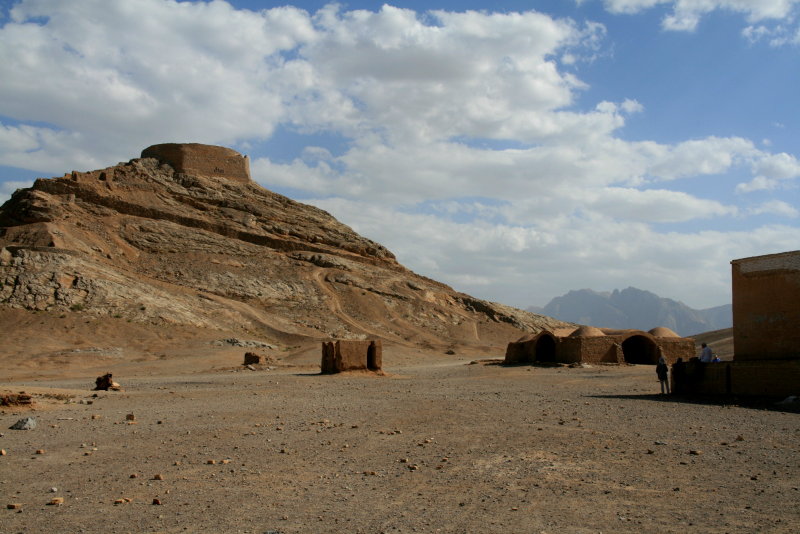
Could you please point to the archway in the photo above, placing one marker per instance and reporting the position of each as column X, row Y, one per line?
column 640, row 349
column 372, row 357
column 545, row 350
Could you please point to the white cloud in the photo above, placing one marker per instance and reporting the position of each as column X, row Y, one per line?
column 781, row 166
column 712, row 155
column 776, row 207
column 759, row 183
column 8, row 187
column 686, row 14
column 772, row 171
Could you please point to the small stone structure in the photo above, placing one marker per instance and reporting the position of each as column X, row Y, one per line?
column 202, row 160
column 345, row 355
column 251, row 358
column 588, row 344
column 766, row 333
column 106, row 383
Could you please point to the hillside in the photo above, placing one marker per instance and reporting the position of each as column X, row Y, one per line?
column 635, row 308
column 142, row 244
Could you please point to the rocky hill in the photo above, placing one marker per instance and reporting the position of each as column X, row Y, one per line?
column 171, row 240
column 635, row 308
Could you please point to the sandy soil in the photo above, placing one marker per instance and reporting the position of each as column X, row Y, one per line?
column 436, row 445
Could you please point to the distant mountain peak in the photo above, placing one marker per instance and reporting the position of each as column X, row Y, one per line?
column 635, row 308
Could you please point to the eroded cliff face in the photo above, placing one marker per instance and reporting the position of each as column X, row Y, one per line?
column 139, row 241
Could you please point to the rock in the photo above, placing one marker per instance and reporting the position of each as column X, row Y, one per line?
column 130, row 417
column 28, row 423
column 14, row 506
column 56, row 501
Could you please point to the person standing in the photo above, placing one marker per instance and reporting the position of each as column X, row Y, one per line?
column 705, row 354
column 662, row 371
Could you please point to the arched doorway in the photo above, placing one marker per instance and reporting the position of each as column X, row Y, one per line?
column 545, row 350
column 640, row 349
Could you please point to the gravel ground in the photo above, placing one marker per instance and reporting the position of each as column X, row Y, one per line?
column 434, row 446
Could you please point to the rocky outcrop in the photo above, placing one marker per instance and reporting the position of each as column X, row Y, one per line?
column 144, row 242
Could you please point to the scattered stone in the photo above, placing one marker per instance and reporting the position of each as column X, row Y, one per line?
column 54, row 490
column 28, row 423
column 695, row 452
column 130, row 417
column 2, row 452
column 211, row 462
column 39, row 451
column 14, row 506
column 157, row 502
column 158, row 476
column 56, row 501
column 740, row 438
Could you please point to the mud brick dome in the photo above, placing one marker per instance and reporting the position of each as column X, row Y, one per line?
column 202, row 160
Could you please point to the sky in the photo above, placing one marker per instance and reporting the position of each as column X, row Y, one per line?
column 513, row 150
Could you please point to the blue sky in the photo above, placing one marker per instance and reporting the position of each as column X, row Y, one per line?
column 513, row 150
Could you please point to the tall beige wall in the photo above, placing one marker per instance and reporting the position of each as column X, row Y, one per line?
column 766, row 307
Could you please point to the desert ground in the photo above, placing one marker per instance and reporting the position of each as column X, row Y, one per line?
column 440, row 443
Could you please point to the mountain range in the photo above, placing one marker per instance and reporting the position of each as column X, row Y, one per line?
column 635, row 308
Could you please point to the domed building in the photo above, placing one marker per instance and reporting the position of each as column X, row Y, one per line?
column 589, row 344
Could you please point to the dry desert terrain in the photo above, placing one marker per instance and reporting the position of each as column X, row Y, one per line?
column 441, row 443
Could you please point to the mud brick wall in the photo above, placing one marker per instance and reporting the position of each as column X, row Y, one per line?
column 767, row 378
column 202, row 160
column 766, row 307
column 674, row 348
column 338, row 356
column 520, row 352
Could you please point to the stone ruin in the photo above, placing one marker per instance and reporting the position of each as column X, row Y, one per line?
column 106, row 383
column 202, row 160
column 588, row 344
column 346, row 355
column 251, row 358
column 766, row 333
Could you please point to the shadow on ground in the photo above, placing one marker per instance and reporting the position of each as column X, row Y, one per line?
column 756, row 403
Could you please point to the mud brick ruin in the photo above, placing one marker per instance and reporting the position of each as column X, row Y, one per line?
column 766, row 333
column 338, row 356
column 588, row 344
column 202, row 160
